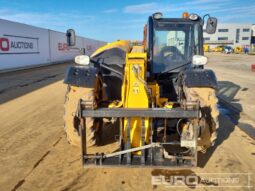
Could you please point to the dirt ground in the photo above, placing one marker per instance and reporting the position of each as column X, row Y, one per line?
column 236, row 79
column 236, row 85
column 34, row 154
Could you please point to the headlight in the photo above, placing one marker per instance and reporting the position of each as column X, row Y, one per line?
column 193, row 17
column 199, row 60
column 82, row 60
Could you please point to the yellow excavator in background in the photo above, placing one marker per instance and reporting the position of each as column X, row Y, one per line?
column 238, row 50
column 156, row 98
column 206, row 48
column 218, row 49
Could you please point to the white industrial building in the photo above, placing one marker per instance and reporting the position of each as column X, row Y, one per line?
column 231, row 35
column 24, row 46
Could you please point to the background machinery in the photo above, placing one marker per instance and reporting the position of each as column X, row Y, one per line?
column 238, row 49
column 206, row 48
column 154, row 97
column 218, row 49
column 227, row 50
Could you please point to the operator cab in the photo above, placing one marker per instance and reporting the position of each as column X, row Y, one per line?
column 174, row 45
column 172, row 42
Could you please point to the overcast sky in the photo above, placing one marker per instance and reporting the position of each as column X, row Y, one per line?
column 117, row 19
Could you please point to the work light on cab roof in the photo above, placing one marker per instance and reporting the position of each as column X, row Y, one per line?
column 193, row 17
column 157, row 15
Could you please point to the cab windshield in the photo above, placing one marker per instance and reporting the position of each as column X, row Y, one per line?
column 174, row 45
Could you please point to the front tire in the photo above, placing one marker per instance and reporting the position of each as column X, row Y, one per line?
column 71, row 121
column 210, row 113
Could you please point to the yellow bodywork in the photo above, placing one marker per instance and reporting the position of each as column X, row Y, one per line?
column 137, row 93
column 135, row 96
column 122, row 44
column 155, row 96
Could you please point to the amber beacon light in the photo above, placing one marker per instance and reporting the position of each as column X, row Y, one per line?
column 185, row 15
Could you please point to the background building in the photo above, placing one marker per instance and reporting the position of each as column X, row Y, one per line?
column 231, row 35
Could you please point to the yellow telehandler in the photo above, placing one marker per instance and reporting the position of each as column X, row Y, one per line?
column 155, row 98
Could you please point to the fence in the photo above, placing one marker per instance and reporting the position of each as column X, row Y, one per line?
column 23, row 45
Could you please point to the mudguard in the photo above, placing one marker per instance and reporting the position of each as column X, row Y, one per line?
column 200, row 78
column 81, row 76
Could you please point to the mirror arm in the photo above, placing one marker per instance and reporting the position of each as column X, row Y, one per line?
column 204, row 18
column 82, row 51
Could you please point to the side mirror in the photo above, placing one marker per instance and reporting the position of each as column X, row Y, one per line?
column 199, row 60
column 71, row 38
column 82, row 60
column 211, row 25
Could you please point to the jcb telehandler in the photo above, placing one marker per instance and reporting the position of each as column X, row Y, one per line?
column 155, row 98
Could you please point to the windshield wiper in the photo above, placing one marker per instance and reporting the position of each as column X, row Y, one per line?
column 169, row 70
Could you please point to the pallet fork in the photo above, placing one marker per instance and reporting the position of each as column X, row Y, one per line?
column 152, row 154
